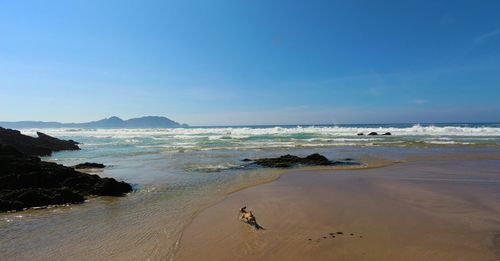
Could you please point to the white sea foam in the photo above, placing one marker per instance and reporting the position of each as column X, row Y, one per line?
column 276, row 137
column 211, row 167
column 246, row 132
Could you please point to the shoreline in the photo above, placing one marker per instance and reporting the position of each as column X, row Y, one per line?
column 277, row 174
column 156, row 230
column 381, row 163
column 185, row 240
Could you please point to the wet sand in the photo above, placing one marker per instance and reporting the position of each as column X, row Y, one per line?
column 423, row 210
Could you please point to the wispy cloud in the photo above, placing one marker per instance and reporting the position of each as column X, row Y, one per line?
column 487, row 36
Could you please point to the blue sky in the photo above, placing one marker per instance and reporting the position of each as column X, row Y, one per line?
column 251, row 62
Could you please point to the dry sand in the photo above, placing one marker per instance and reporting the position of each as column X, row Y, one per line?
column 425, row 210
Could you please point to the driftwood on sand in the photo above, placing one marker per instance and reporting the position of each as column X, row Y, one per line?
column 249, row 218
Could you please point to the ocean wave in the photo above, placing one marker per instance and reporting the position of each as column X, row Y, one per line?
column 211, row 167
column 220, row 138
column 247, row 132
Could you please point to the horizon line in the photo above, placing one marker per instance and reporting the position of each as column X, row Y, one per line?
column 280, row 125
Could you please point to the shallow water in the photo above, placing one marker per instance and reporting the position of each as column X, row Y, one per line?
column 177, row 172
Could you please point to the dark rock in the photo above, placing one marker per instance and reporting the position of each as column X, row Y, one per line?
column 44, row 145
column 246, row 160
column 19, row 199
column 291, row 160
column 340, row 233
column 387, row 134
column 89, row 165
column 26, row 181
column 111, row 187
column 280, row 162
column 344, row 163
column 287, row 161
column 361, row 134
column 317, row 159
column 372, row 133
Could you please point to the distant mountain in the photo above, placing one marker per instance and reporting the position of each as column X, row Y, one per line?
column 112, row 122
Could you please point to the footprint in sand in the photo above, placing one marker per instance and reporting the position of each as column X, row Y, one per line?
column 332, row 235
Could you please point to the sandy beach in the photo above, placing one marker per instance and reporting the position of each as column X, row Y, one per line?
column 402, row 202
column 422, row 210
column 349, row 130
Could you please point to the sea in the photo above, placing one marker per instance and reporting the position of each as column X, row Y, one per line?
column 176, row 172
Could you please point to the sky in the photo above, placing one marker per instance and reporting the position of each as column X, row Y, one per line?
column 251, row 62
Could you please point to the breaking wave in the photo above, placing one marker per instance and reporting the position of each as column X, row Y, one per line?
column 219, row 138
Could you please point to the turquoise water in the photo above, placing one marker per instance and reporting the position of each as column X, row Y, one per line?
column 182, row 155
column 176, row 172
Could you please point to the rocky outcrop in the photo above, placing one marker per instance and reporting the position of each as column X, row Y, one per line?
column 44, row 145
column 373, row 133
column 287, row 161
column 26, row 181
column 89, row 165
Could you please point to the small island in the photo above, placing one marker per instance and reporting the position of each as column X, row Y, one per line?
column 113, row 122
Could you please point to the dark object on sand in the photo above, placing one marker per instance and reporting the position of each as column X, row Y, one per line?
column 249, row 218
column 44, row 145
column 361, row 134
column 387, row 134
column 89, row 165
column 340, row 233
column 287, row 161
column 26, row 181
column 246, row 160
column 372, row 133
